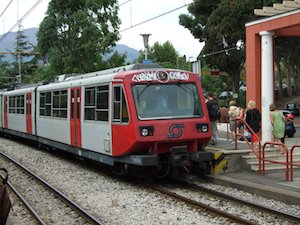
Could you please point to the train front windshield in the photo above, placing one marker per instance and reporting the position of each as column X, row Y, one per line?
column 179, row 100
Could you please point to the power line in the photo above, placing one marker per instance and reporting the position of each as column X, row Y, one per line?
column 132, row 26
column 155, row 17
column 128, row 28
column 124, row 3
column 6, row 8
column 21, row 53
column 22, row 18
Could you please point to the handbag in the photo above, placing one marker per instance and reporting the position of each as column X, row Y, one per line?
column 5, row 203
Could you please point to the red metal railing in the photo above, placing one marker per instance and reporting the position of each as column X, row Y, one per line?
column 257, row 152
column 286, row 163
column 292, row 164
column 260, row 152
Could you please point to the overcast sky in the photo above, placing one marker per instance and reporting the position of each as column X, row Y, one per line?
column 134, row 12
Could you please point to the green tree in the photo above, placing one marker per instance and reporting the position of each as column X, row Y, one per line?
column 166, row 55
column 287, row 64
column 22, row 48
column 116, row 60
column 75, row 35
column 221, row 24
column 5, row 77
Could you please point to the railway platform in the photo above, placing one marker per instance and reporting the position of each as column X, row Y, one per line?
column 271, row 184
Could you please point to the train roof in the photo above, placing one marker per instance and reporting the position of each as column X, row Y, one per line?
column 138, row 66
column 103, row 76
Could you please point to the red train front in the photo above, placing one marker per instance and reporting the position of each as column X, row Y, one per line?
column 168, row 125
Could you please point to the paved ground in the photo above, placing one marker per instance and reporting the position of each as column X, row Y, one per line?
column 271, row 184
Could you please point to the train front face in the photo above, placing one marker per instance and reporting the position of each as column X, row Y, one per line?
column 172, row 121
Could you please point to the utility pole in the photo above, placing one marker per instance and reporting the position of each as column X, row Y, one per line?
column 19, row 76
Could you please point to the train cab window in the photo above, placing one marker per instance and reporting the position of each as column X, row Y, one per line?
column 178, row 100
column 96, row 103
column 120, row 114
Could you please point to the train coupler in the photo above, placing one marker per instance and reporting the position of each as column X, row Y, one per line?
column 180, row 162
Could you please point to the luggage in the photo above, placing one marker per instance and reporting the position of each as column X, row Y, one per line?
column 290, row 129
column 5, row 203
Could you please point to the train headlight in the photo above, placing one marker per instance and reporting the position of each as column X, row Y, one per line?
column 146, row 131
column 202, row 127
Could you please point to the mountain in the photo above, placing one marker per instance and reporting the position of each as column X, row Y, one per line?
column 131, row 53
column 7, row 44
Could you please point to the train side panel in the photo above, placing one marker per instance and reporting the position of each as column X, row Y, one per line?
column 82, row 125
column 18, row 111
column 98, row 137
column 53, row 129
column 1, row 111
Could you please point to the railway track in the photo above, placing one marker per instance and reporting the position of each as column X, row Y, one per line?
column 66, row 211
column 259, row 207
column 234, row 217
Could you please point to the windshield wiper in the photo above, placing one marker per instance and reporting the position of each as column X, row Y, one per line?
column 179, row 84
column 142, row 92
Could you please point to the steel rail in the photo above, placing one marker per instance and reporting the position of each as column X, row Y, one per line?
column 27, row 205
column 196, row 204
column 69, row 202
column 291, row 218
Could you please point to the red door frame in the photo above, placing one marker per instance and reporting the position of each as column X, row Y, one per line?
column 75, row 113
column 5, row 125
column 28, row 113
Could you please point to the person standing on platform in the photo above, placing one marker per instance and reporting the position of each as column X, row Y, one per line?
column 252, row 118
column 278, row 122
column 214, row 114
column 233, row 113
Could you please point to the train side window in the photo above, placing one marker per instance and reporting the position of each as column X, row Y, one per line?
column 48, row 104
column 60, row 104
column 63, row 103
column 89, row 103
column 125, row 115
column 20, row 104
column 120, row 106
column 117, row 104
column 12, row 100
column 16, row 104
column 42, row 103
column 102, row 103
column 96, row 103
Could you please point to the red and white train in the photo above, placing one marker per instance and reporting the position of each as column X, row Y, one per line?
column 136, row 116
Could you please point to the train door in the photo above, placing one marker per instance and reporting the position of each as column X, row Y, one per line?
column 5, row 125
column 28, row 113
column 75, row 112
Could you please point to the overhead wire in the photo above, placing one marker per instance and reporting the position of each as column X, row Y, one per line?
column 132, row 26
column 128, row 28
column 22, row 18
column 6, row 8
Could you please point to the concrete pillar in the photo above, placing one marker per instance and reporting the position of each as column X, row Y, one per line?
column 267, row 83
